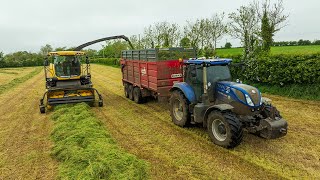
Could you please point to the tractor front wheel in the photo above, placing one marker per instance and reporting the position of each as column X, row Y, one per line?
column 179, row 109
column 224, row 129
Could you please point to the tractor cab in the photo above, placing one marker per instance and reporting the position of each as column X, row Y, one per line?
column 215, row 70
column 67, row 64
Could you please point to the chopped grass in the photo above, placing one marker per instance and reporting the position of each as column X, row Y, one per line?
column 85, row 149
column 16, row 81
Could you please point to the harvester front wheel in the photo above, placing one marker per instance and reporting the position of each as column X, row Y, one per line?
column 130, row 91
column 224, row 129
column 179, row 109
column 100, row 103
column 137, row 97
column 42, row 109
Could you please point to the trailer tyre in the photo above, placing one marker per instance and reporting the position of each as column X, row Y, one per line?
column 224, row 129
column 126, row 90
column 130, row 91
column 137, row 97
column 179, row 109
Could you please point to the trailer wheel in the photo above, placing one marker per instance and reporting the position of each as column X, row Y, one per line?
column 224, row 129
column 137, row 97
column 130, row 91
column 179, row 109
column 126, row 90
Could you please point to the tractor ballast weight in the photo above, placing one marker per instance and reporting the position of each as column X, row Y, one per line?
column 225, row 108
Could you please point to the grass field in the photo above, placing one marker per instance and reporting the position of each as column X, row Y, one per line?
column 147, row 132
column 298, row 50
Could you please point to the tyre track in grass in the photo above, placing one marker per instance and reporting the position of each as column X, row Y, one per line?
column 25, row 143
column 175, row 153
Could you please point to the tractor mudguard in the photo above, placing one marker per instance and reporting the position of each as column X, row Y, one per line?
column 219, row 107
column 187, row 91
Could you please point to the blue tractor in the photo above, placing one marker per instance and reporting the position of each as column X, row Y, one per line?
column 225, row 108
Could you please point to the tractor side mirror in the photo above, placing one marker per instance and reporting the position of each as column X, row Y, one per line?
column 46, row 62
column 87, row 60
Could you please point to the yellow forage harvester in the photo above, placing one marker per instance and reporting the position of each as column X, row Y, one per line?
column 68, row 79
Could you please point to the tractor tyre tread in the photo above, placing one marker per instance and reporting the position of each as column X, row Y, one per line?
column 235, row 126
column 186, row 115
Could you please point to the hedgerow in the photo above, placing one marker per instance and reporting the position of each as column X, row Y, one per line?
column 280, row 69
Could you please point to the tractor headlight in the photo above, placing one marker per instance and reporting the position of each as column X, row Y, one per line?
column 249, row 101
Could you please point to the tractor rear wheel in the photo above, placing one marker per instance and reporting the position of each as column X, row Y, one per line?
column 126, row 90
column 224, row 129
column 137, row 97
column 130, row 91
column 179, row 109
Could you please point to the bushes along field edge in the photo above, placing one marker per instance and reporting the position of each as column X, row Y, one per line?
column 86, row 150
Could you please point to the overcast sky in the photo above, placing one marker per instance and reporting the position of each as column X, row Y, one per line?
column 28, row 25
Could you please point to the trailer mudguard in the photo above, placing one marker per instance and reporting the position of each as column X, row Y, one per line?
column 187, row 91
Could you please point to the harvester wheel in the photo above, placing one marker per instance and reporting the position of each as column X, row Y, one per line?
column 42, row 109
column 126, row 90
column 179, row 109
column 100, row 103
column 224, row 129
column 137, row 97
column 130, row 91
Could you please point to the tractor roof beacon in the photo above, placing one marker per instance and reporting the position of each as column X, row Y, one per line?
column 208, row 96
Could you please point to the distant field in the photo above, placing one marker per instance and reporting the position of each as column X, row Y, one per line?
column 274, row 50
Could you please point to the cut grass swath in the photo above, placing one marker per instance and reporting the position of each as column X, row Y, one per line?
column 85, row 149
column 16, row 81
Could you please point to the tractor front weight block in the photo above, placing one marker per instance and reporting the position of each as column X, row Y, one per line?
column 273, row 128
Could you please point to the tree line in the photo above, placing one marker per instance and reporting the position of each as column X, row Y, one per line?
column 301, row 42
column 254, row 25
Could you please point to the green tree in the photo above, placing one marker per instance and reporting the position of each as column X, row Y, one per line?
column 1, row 55
column 272, row 19
column 244, row 26
column 266, row 33
column 185, row 42
column 44, row 50
column 228, row 45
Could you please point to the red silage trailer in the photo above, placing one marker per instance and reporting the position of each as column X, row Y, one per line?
column 152, row 72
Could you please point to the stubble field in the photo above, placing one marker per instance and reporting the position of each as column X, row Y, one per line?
column 146, row 131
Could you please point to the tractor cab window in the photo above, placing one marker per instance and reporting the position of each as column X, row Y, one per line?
column 67, row 66
column 215, row 74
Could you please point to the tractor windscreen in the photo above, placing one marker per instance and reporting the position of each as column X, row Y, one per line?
column 67, row 66
column 215, row 74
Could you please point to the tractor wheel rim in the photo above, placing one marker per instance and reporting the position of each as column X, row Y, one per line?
column 219, row 130
column 177, row 110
